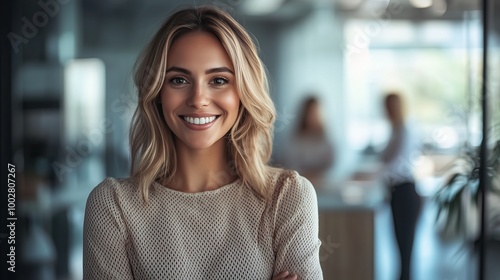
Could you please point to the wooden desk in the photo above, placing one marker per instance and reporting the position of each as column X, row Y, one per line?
column 346, row 230
column 347, row 248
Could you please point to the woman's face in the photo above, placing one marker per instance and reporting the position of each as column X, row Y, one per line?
column 313, row 116
column 199, row 98
column 394, row 110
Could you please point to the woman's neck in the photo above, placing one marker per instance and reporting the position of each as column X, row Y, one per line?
column 202, row 169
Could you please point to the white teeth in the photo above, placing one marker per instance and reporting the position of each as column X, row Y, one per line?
column 204, row 120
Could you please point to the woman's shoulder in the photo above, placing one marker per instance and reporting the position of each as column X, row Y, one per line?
column 287, row 182
column 111, row 189
column 292, row 194
column 114, row 184
column 283, row 175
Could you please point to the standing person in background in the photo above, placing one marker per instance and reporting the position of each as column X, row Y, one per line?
column 397, row 160
column 202, row 201
column 309, row 151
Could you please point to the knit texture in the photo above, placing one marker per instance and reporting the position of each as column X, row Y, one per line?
column 226, row 233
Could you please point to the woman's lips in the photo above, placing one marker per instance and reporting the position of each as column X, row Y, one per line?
column 199, row 122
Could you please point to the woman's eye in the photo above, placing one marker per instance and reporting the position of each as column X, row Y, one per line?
column 220, row 81
column 178, row 81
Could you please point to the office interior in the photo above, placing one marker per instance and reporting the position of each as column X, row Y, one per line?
column 71, row 99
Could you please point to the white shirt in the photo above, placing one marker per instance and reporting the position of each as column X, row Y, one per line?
column 400, row 155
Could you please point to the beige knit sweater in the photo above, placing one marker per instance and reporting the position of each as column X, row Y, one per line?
column 226, row 233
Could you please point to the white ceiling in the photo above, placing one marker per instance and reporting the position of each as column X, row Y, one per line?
column 446, row 9
column 289, row 9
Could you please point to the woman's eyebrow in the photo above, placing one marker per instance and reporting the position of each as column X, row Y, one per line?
column 219, row 69
column 208, row 71
column 178, row 69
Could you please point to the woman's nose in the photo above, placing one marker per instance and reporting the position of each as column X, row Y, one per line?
column 199, row 96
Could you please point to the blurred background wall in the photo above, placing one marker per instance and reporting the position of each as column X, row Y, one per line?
column 71, row 93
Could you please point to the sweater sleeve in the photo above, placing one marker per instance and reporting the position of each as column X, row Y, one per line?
column 104, row 252
column 296, row 242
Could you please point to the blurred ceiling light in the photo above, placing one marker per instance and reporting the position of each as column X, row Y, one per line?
column 421, row 3
column 261, row 7
column 439, row 7
column 375, row 7
column 348, row 4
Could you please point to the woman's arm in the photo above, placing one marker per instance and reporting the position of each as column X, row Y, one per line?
column 296, row 242
column 104, row 254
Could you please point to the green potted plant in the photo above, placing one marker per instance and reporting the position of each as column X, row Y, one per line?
column 458, row 215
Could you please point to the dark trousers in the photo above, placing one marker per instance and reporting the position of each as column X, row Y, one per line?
column 405, row 206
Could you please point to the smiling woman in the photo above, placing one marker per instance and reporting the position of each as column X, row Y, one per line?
column 202, row 201
column 199, row 97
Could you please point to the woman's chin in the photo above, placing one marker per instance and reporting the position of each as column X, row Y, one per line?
column 199, row 145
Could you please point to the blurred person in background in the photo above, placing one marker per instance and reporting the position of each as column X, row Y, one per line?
column 309, row 151
column 202, row 201
column 398, row 162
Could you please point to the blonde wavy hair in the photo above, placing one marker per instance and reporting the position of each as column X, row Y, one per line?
column 249, row 140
